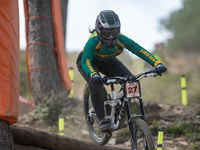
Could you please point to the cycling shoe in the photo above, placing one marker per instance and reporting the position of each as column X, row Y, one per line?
column 104, row 126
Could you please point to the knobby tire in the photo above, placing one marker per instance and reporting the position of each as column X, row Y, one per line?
column 93, row 129
column 143, row 132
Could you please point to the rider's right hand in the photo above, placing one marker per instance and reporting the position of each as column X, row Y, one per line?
column 160, row 69
column 97, row 78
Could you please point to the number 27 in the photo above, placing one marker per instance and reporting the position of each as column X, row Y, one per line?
column 131, row 89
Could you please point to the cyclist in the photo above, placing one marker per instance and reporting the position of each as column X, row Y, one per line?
column 99, row 56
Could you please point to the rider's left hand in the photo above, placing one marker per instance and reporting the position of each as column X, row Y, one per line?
column 160, row 69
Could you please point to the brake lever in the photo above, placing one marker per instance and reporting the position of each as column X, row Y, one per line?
column 105, row 81
column 151, row 75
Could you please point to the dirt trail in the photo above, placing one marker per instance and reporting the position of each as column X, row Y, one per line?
column 165, row 114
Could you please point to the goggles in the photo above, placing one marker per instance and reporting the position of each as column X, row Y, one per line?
column 109, row 33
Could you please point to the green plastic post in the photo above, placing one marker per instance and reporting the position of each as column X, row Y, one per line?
column 160, row 139
column 61, row 125
column 71, row 75
column 183, row 92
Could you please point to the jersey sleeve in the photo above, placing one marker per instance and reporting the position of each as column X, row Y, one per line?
column 139, row 50
column 88, row 55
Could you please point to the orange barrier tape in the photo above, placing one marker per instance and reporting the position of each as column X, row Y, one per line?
column 59, row 43
column 9, row 60
column 43, row 67
column 38, row 17
column 39, row 43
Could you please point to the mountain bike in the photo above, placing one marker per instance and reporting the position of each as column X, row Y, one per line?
column 117, row 109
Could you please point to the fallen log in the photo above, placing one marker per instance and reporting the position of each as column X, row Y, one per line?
column 27, row 137
column 25, row 147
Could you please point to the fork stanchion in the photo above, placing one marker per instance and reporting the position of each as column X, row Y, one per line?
column 160, row 139
column 183, row 92
column 71, row 75
column 61, row 125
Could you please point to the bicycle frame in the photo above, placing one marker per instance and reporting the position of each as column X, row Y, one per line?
column 117, row 109
column 126, row 103
column 112, row 103
column 116, row 100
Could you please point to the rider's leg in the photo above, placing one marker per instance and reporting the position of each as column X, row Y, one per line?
column 96, row 91
column 114, row 67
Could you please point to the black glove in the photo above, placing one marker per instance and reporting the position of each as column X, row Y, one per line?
column 160, row 69
column 97, row 78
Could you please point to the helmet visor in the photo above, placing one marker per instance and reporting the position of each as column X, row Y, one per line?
column 109, row 33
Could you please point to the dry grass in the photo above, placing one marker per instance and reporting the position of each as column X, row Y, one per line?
column 166, row 88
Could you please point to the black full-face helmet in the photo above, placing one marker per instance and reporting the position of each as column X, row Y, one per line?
column 108, row 28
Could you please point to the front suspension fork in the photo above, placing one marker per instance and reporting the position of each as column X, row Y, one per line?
column 130, row 123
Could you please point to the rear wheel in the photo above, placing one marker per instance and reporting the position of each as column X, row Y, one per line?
column 91, row 120
column 143, row 134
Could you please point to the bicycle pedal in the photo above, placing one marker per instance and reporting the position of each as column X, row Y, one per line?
column 89, row 120
column 109, row 133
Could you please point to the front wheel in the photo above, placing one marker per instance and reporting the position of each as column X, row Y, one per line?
column 143, row 135
column 91, row 120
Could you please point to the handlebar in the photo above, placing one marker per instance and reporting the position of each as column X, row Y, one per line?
column 121, row 80
column 147, row 74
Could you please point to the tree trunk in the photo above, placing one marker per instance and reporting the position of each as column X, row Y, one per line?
column 6, row 139
column 44, row 75
column 64, row 6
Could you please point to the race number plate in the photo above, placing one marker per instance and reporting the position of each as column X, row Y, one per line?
column 133, row 89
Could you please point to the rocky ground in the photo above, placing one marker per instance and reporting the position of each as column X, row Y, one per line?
column 158, row 115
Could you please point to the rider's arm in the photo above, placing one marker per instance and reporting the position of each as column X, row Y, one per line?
column 88, row 55
column 138, row 50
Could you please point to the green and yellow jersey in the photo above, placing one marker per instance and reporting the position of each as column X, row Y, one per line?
column 95, row 50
